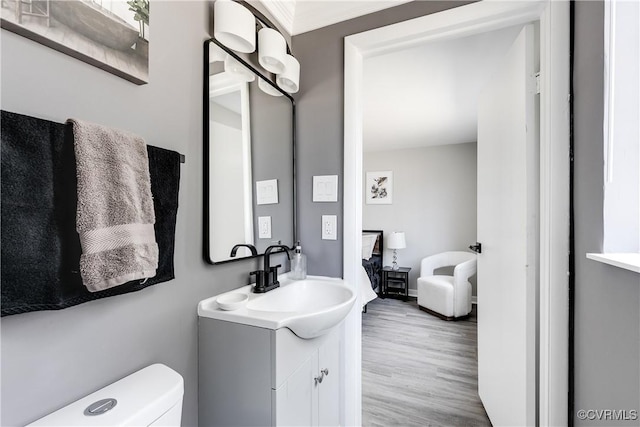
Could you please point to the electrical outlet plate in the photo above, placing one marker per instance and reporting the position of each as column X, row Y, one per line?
column 264, row 227
column 329, row 227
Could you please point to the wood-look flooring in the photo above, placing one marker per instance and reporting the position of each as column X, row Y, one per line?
column 418, row 370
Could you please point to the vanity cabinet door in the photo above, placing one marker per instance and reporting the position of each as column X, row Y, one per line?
column 329, row 389
column 305, row 400
column 293, row 402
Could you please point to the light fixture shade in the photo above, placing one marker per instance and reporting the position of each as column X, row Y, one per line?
column 234, row 26
column 238, row 70
column 397, row 240
column 216, row 54
column 272, row 50
column 268, row 89
column 289, row 79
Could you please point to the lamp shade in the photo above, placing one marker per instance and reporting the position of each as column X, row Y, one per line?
column 237, row 70
column 234, row 26
column 396, row 240
column 268, row 89
column 272, row 50
column 289, row 79
column 216, row 54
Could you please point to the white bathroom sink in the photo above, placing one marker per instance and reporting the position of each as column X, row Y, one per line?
column 310, row 307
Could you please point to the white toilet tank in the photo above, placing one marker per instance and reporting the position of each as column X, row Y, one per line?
column 150, row 397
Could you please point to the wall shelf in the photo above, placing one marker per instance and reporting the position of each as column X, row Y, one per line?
column 628, row 261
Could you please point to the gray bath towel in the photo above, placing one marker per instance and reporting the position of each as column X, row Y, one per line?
column 115, row 213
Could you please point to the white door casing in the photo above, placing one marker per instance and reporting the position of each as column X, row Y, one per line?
column 508, row 176
column 554, row 177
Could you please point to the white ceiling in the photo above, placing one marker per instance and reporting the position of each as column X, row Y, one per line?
column 427, row 95
column 300, row 16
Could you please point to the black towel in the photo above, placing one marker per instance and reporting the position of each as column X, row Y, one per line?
column 40, row 245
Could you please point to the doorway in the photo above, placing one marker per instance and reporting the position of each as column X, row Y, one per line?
column 422, row 130
column 466, row 20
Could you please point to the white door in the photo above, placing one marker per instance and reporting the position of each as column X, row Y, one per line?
column 508, row 141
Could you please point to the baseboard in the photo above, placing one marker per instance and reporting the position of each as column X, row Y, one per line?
column 414, row 293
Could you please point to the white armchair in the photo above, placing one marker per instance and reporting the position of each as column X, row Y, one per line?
column 448, row 297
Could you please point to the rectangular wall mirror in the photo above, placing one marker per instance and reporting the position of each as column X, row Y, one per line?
column 249, row 151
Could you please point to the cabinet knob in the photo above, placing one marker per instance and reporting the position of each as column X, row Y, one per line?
column 318, row 380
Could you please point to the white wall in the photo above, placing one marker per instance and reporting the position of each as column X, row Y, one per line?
column 50, row 358
column 434, row 201
column 622, row 157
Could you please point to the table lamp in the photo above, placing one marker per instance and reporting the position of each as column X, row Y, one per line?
column 396, row 241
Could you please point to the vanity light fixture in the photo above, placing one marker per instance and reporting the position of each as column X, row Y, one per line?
column 289, row 79
column 234, row 26
column 237, row 70
column 272, row 50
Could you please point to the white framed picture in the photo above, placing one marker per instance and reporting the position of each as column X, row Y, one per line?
column 267, row 192
column 111, row 35
column 379, row 188
column 325, row 188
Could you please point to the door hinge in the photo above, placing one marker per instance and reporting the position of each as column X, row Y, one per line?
column 537, row 77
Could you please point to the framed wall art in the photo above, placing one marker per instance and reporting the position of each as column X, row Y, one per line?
column 109, row 34
column 379, row 188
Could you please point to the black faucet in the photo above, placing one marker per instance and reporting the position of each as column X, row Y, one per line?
column 267, row 279
column 252, row 248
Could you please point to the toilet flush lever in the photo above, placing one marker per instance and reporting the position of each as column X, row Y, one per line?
column 100, row 407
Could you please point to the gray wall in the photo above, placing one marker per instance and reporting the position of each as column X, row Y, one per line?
column 607, row 299
column 320, row 122
column 52, row 358
column 434, row 201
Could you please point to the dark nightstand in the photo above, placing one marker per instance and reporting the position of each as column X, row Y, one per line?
column 395, row 283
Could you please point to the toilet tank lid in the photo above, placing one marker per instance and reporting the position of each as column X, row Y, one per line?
column 142, row 398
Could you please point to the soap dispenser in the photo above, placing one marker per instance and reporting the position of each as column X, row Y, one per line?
column 298, row 264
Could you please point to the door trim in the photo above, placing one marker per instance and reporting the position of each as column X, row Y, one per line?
column 554, row 178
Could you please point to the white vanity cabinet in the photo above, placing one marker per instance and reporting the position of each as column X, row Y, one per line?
column 251, row 376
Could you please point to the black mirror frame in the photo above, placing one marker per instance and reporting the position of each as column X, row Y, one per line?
column 206, row 152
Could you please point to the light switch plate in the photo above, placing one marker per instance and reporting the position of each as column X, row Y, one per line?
column 267, row 192
column 264, row 227
column 329, row 227
column 325, row 188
